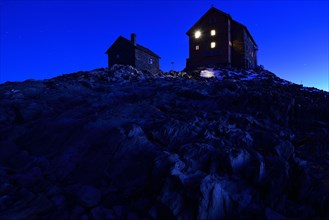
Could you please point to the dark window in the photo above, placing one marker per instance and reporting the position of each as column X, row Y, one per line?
column 117, row 56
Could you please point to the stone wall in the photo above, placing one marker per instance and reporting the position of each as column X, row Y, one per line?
column 145, row 61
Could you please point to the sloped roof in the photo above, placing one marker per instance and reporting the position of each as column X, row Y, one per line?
column 246, row 29
column 205, row 15
column 213, row 9
column 138, row 47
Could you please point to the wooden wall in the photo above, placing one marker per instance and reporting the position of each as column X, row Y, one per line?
column 233, row 43
column 121, row 53
column 206, row 55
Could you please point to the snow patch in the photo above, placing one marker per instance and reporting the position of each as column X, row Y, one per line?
column 284, row 82
column 250, row 77
column 210, row 72
column 207, row 73
column 310, row 89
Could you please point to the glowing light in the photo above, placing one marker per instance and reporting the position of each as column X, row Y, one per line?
column 213, row 44
column 197, row 47
column 207, row 73
column 213, row 32
column 197, row 34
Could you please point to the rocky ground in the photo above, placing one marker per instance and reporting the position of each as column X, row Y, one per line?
column 123, row 144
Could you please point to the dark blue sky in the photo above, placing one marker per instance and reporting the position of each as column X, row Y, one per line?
column 43, row 39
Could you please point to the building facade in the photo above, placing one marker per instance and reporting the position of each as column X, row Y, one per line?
column 218, row 40
column 128, row 52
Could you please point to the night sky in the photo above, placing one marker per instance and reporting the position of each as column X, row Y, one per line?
column 43, row 39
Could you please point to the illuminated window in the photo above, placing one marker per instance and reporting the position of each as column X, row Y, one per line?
column 213, row 45
column 150, row 61
column 197, row 34
column 213, row 32
column 230, row 43
column 197, row 47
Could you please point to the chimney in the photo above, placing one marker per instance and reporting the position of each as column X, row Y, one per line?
column 133, row 39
